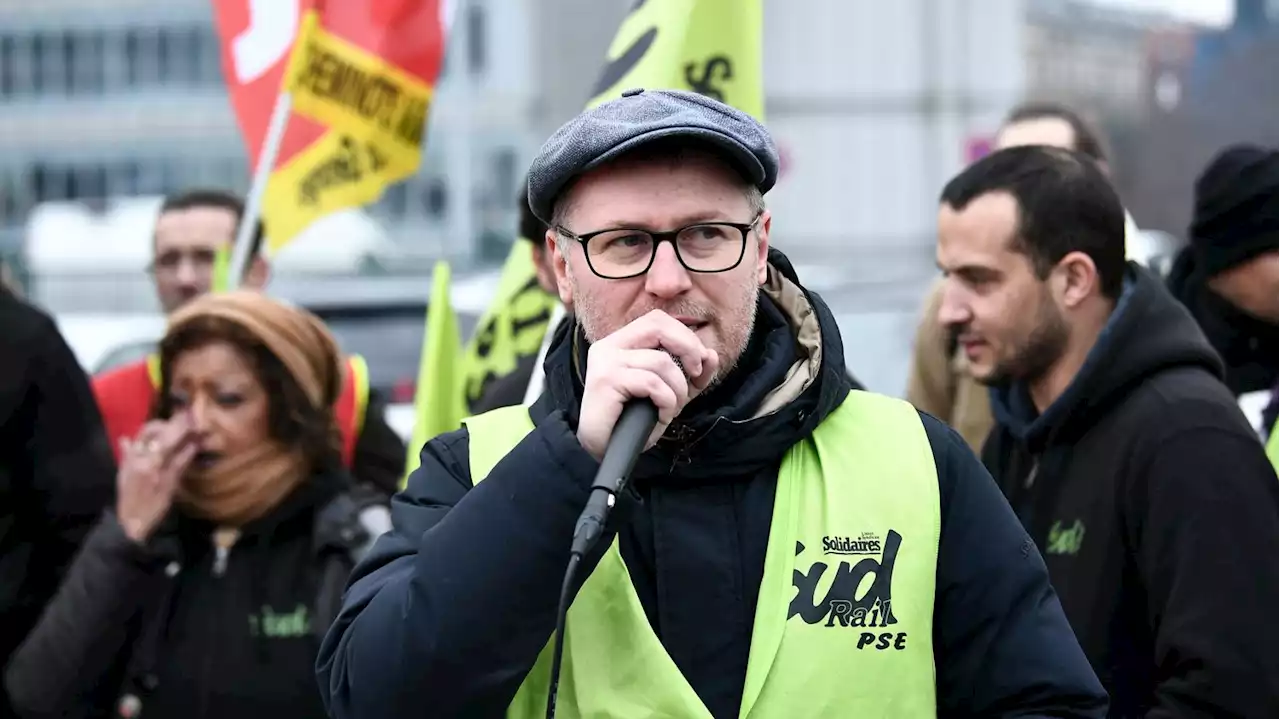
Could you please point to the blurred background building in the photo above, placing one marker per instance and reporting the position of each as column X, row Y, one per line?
column 107, row 104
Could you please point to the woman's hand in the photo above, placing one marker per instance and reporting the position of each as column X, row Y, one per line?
column 151, row 467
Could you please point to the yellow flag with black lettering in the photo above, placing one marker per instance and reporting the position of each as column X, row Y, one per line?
column 512, row 328
column 360, row 76
column 712, row 47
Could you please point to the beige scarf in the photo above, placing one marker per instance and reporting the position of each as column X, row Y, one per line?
column 245, row 487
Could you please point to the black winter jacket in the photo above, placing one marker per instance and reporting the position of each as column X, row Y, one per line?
column 165, row 630
column 451, row 608
column 57, row 473
column 1155, row 508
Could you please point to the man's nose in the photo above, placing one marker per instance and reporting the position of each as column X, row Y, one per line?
column 953, row 309
column 189, row 273
column 667, row 277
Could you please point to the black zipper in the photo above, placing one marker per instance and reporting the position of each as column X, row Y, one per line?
column 222, row 540
column 1031, row 476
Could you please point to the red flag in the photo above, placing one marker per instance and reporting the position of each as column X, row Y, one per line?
column 361, row 82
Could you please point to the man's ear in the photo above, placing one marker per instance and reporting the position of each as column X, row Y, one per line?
column 560, row 266
column 1077, row 279
column 763, row 225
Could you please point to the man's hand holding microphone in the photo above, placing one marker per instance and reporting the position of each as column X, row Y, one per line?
column 654, row 357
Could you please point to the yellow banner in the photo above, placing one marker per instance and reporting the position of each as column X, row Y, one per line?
column 375, row 113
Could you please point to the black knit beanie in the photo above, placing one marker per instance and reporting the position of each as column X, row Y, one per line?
column 1235, row 214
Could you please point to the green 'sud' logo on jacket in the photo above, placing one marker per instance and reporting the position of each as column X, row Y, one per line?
column 1065, row 540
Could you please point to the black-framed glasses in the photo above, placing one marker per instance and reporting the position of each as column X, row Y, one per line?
column 623, row 253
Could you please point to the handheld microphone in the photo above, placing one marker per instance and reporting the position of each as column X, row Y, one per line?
column 635, row 424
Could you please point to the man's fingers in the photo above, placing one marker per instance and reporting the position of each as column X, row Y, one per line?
column 710, row 366
column 661, row 364
column 639, row 383
column 658, row 329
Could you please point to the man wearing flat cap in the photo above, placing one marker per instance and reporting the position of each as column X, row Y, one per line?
column 786, row 546
column 1227, row 275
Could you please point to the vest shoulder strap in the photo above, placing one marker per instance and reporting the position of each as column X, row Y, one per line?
column 153, row 369
column 1273, row 445
column 358, row 378
column 492, row 435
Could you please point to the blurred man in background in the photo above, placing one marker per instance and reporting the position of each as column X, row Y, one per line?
column 510, row 389
column 190, row 230
column 1228, row 276
column 939, row 382
column 1116, row 442
column 56, row 470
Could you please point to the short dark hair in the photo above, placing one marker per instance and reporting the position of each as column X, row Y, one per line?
column 217, row 199
column 1065, row 204
column 1086, row 138
column 530, row 228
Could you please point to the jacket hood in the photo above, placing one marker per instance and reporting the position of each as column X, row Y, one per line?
column 789, row 378
column 1149, row 332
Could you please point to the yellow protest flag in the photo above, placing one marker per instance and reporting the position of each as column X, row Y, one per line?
column 360, row 93
column 438, row 406
column 222, row 268
column 713, row 47
column 511, row 328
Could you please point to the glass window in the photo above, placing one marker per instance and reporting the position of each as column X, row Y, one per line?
column 505, row 179
column 8, row 66
column 88, row 61
column 476, row 50
column 435, row 198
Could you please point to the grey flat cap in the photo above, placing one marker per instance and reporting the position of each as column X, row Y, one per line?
column 642, row 116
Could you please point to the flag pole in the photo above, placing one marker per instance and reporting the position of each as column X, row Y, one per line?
column 239, row 262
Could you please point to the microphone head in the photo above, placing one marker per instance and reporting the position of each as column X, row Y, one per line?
column 679, row 364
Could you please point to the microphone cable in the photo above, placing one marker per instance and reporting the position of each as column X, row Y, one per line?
column 635, row 424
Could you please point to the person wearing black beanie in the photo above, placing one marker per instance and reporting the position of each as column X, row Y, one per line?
column 1228, row 276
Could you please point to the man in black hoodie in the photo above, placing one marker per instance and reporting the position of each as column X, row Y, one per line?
column 1227, row 275
column 1116, row 442
column 715, row 590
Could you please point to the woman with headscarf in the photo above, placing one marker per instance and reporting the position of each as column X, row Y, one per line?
column 204, row 593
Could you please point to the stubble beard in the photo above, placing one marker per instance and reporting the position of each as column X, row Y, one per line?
column 733, row 328
column 1038, row 353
